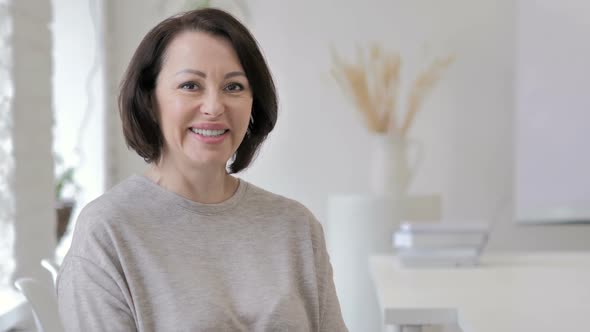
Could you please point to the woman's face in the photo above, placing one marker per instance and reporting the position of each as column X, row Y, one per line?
column 204, row 101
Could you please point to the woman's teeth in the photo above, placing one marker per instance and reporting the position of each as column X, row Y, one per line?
column 208, row 133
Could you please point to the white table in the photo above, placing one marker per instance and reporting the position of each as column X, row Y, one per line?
column 507, row 292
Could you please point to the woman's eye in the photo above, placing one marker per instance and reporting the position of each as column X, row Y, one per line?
column 234, row 87
column 189, row 86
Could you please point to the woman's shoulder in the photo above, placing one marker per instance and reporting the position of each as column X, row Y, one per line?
column 113, row 206
column 265, row 202
column 263, row 198
column 101, row 223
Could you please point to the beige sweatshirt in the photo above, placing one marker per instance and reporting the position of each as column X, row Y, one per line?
column 146, row 259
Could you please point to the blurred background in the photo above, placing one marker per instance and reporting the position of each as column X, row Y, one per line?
column 498, row 92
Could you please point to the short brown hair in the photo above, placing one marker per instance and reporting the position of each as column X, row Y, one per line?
column 137, row 103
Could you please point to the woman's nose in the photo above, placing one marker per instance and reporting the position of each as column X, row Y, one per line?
column 212, row 104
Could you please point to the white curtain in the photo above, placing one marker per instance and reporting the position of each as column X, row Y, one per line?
column 6, row 148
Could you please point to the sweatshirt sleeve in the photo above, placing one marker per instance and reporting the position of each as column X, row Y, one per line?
column 330, row 313
column 92, row 292
column 89, row 299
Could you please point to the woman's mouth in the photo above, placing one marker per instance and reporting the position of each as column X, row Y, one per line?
column 209, row 132
column 211, row 136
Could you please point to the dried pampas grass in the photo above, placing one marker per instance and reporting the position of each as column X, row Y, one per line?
column 374, row 88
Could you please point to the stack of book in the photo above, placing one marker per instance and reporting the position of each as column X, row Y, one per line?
column 440, row 244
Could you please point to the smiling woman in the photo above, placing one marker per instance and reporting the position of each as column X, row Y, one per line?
column 187, row 246
column 204, row 102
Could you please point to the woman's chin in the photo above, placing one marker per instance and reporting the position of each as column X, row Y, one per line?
column 213, row 162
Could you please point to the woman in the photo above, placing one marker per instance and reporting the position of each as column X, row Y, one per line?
column 187, row 246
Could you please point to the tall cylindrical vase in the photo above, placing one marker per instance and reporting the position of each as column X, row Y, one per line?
column 391, row 171
column 359, row 226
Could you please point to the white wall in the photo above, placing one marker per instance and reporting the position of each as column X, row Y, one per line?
column 320, row 147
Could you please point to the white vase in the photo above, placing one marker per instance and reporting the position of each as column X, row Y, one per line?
column 359, row 226
column 391, row 168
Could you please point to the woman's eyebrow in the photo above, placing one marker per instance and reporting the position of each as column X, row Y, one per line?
column 191, row 71
column 234, row 74
column 203, row 75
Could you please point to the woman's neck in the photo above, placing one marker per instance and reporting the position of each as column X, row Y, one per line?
column 208, row 186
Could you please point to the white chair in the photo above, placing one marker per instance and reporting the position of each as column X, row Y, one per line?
column 43, row 302
column 51, row 266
